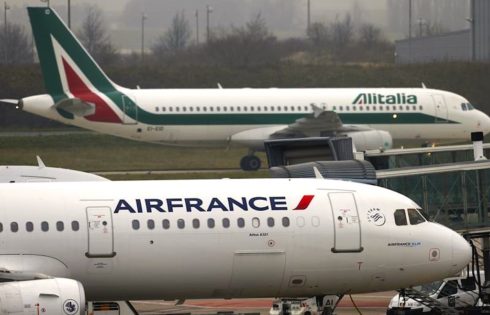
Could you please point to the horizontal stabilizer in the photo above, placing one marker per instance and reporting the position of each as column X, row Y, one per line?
column 76, row 107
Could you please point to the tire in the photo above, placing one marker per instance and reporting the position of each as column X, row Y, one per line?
column 250, row 163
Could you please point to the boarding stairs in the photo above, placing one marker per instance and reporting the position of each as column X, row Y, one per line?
column 426, row 300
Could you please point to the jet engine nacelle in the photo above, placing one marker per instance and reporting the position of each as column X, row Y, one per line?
column 371, row 140
column 47, row 296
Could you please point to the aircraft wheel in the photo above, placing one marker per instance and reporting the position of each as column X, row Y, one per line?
column 250, row 163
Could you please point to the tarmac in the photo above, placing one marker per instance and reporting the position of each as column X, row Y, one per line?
column 368, row 304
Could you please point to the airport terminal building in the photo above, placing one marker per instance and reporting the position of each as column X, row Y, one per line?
column 472, row 44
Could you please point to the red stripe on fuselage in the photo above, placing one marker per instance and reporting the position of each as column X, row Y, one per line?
column 304, row 202
column 103, row 113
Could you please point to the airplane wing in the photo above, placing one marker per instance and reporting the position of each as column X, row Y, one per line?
column 320, row 122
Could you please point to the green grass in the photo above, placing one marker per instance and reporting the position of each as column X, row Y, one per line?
column 95, row 152
column 192, row 175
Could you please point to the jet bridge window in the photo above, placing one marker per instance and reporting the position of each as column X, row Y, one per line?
column 400, row 217
column 14, row 227
column 415, row 217
column 29, row 226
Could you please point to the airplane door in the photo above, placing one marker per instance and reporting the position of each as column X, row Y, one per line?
column 100, row 233
column 130, row 111
column 347, row 226
column 441, row 108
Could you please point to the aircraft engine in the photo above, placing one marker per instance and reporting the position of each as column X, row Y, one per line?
column 371, row 140
column 47, row 296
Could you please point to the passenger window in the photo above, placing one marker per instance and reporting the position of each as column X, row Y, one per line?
column 14, row 227
column 75, row 226
column 400, row 217
column 196, row 223
column 180, row 223
column 60, row 226
column 415, row 217
column 157, row 109
column 211, row 223
column 421, row 107
column 270, row 222
column 29, row 226
column 300, row 221
column 150, row 224
column 240, row 222
column 166, row 224
column 450, row 288
column 136, row 224
column 256, row 222
column 315, row 221
column 164, row 109
column 226, row 223
column 347, row 108
column 285, row 221
column 1, row 227
column 44, row 226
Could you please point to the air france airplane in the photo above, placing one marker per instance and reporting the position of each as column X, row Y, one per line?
column 80, row 94
column 71, row 242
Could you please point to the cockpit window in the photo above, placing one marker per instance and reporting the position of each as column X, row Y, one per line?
column 400, row 217
column 463, row 106
column 470, row 107
column 424, row 214
column 415, row 217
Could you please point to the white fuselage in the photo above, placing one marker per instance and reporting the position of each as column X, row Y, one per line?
column 208, row 117
column 341, row 239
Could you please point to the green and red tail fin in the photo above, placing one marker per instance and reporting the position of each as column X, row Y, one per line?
column 68, row 69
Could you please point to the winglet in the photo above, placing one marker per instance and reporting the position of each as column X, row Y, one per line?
column 40, row 162
column 318, row 175
column 423, row 85
column 219, row 86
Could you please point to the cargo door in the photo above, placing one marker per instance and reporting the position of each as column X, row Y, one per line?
column 100, row 232
column 257, row 272
column 347, row 226
column 441, row 108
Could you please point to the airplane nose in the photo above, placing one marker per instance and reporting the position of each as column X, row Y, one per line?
column 483, row 123
column 461, row 253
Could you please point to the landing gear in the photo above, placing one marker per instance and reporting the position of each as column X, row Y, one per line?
column 250, row 162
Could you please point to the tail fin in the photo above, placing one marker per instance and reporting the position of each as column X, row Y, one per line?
column 68, row 69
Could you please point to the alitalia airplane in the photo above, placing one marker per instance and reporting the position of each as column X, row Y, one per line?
column 65, row 243
column 80, row 94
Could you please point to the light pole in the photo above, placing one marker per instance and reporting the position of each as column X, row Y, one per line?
column 209, row 9
column 6, row 44
column 409, row 31
column 144, row 17
column 197, row 27
column 69, row 14
column 308, row 16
